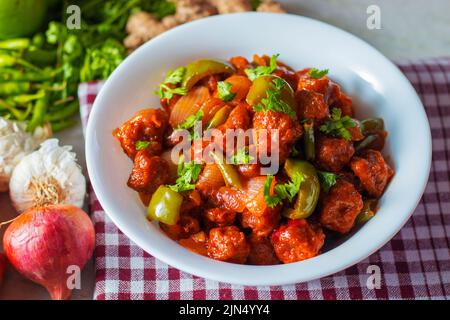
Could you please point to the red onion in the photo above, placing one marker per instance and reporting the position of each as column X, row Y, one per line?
column 47, row 244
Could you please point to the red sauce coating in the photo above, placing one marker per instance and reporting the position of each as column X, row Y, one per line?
column 297, row 240
column 340, row 207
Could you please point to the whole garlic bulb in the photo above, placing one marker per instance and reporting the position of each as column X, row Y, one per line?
column 15, row 143
column 47, row 176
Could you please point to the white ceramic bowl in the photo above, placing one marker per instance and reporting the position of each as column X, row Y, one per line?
column 378, row 89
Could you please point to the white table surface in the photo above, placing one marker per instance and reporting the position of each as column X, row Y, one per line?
column 410, row 29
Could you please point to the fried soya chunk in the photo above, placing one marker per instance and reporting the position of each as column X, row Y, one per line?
column 373, row 171
column 262, row 224
column 228, row 198
column 147, row 125
column 149, row 172
column 187, row 226
column 249, row 170
column 311, row 105
column 261, row 251
column 219, row 217
column 297, row 240
column 197, row 243
column 340, row 207
column 228, row 244
column 240, row 64
column 332, row 154
column 289, row 131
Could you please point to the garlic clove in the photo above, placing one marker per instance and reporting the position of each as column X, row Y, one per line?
column 16, row 143
column 47, row 176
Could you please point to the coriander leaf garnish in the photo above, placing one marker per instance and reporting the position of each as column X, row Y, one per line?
column 242, row 156
column 327, row 180
column 338, row 126
column 282, row 191
column 224, row 91
column 274, row 101
column 252, row 74
column 191, row 120
column 271, row 201
column 141, row 145
column 289, row 190
column 316, row 74
column 174, row 77
column 187, row 174
column 190, row 124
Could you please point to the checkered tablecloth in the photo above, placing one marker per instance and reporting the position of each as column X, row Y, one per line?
column 415, row 264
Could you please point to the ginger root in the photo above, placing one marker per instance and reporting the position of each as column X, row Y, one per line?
column 143, row 26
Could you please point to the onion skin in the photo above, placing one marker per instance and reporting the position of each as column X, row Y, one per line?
column 43, row 242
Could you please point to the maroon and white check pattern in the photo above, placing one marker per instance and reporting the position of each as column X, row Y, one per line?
column 415, row 264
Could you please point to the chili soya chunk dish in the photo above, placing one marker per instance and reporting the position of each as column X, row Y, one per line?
column 215, row 199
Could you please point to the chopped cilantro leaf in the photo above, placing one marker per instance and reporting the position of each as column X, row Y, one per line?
column 282, row 191
column 142, row 145
column 338, row 126
column 316, row 74
column 174, row 77
column 224, row 90
column 187, row 174
column 274, row 101
column 242, row 156
column 252, row 74
column 191, row 120
column 327, row 180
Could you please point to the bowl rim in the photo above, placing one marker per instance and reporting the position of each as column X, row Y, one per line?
column 248, row 274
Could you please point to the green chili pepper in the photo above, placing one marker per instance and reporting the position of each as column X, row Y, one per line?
column 10, row 74
column 26, row 98
column 229, row 173
column 12, row 110
column 200, row 69
column 367, row 212
column 15, row 44
column 309, row 189
column 309, row 141
column 39, row 110
column 61, row 125
column 372, row 125
column 10, row 61
column 14, row 88
column 220, row 117
column 64, row 113
column 165, row 206
column 40, row 57
column 366, row 142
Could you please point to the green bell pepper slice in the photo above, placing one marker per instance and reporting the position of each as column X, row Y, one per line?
column 309, row 141
column 229, row 173
column 367, row 212
column 220, row 117
column 165, row 206
column 200, row 69
column 308, row 194
column 262, row 84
